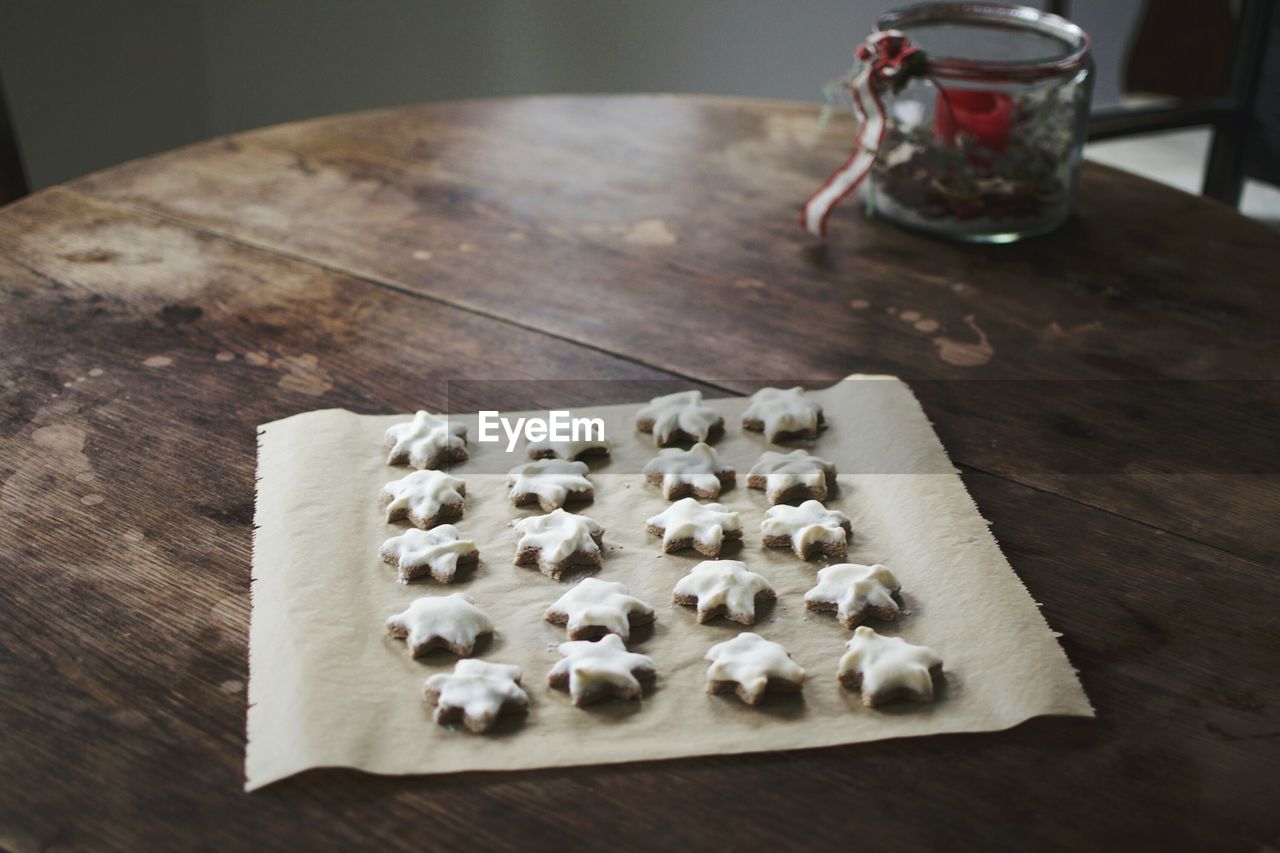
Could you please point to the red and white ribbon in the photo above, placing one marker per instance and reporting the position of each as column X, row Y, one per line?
column 882, row 56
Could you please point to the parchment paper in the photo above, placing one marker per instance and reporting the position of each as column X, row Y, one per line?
column 329, row 688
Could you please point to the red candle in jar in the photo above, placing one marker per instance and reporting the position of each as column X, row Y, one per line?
column 982, row 116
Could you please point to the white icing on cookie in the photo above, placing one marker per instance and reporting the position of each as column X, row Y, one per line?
column 855, row 592
column 703, row 526
column 424, row 497
column 749, row 665
column 807, row 529
column 783, row 412
column 678, row 417
column 476, row 692
column 558, row 540
column 549, row 482
column 437, row 552
column 723, row 586
column 427, row 441
column 697, row 470
column 572, row 449
column 595, row 607
column 451, row 621
column 887, row 668
column 787, row 476
column 594, row 671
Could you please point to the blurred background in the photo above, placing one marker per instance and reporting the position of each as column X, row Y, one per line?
column 89, row 84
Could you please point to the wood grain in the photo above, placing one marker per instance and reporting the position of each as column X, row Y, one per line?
column 152, row 315
column 577, row 215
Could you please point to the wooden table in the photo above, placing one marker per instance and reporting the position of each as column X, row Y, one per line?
column 154, row 313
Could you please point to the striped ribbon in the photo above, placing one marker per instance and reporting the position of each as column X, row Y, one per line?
column 882, row 57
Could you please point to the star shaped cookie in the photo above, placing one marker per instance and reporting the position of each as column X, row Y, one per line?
column 599, row 670
column 687, row 523
column 477, row 693
column 594, row 608
column 723, row 587
column 425, row 498
column 550, row 483
column 786, row 477
column 557, row 542
column 679, row 418
column 809, row 530
column 441, row 621
column 888, row 668
column 572, row 449
column 438, row 553
column 697, row 471
column 855, row 592
column 782, row 413
column 750, row 666
column 427, row 441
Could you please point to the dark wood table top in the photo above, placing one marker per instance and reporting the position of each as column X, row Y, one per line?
column 154, row 313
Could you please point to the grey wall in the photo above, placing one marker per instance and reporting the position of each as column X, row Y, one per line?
column 94, row 83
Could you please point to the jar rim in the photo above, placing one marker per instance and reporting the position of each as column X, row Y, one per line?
column 1075, row 39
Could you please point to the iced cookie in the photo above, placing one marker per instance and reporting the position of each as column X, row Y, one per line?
column 599, row 670
column 557, row 542
column 476, row 692
column 723, row 587
column 786, row 477
column 426, row 498
column 427, row 442
column 810, row 530
column 441, row 621
column 750, row 666
column 888, row 668
column 438, row 553
column 697, row 471
column 782, row 413
column 574, row 449
column 594, row 608
column 679, row 418
column 549, row 483
column 687, row 523
column 855, row 592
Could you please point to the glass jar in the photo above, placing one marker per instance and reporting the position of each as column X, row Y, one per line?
column 985, row 144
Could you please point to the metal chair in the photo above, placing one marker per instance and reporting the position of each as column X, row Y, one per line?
column 1230, row 115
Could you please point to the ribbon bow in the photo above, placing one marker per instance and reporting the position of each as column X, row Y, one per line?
column 887, row 59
